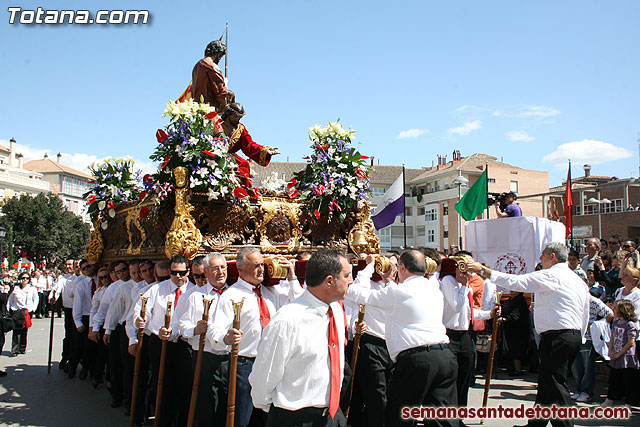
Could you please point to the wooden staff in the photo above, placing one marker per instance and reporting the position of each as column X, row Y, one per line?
column 163, row 356
column 53, row 310
column 196, row 375
column 136, row 370
column 233, row 367
column 492, row 351
column 354, row 357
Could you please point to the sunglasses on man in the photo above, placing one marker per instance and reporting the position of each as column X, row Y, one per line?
column 179, row 272
column 198, row 276
column 122, row 270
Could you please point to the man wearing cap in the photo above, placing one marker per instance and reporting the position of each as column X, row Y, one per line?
column 512, row 209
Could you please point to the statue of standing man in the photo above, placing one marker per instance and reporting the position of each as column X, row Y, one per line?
column 208, row 80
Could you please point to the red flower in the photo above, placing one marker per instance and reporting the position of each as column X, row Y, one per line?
column 293, row 193
column 208, row 153
column 91, row 199
column 111, row 205
column 361, row 174
column 144, row 212
column 212, row 116
column 292, row 183
column 317, row 214
column 256, row 193
column 91, row 181
column 322, row 147
column 142, row 195
column 166, row 162
column 320, row 189
column 302, row 172
column 240, row 193
column 161, row 136
column 147, row 178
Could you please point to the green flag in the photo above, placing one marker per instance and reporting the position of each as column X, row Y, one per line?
column 474, row 200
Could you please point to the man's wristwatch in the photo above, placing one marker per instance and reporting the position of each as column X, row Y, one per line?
column 482, row 271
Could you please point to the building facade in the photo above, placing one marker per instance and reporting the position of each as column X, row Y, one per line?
column 15, row 180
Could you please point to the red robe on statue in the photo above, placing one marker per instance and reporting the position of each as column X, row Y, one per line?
column 241, row 140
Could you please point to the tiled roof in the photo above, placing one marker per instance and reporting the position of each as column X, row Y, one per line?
column 5, row 149
column 474, row 163
column 49, row 166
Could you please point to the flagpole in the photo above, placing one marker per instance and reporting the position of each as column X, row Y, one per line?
column 571, row 207
column 404, row 207
column 226, row 57
column 486, row 168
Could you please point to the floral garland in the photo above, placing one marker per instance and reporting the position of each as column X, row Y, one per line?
column 337, row 177
column 114, row 182
column 194, row 139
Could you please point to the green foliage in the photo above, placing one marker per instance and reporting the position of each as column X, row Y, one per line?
column 44, row 229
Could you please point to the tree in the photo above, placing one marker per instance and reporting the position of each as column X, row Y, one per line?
column 43, row 229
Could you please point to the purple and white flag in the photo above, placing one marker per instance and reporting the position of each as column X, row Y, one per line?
column 390, row 206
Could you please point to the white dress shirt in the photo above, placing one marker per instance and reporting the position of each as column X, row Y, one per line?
column 136, row 291
column 413, row 313
column 40, row 284
column 457, row 312
column 82, row 300
column 292, row 369
column 67, row 290
column 21, row 299
column 489, row 295
column 192, row 313
column 120, row 306
column 249, row 319
column 95, row 304
column 157, row 306
column 561, row 297
column 374, row 317
column 107, row 298
column 56, row 288
column 283, row 292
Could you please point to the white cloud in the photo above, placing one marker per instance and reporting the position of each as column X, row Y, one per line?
column 587, row 151
column 411, row 133
column 519, row 135
column 78, row 161
column 525, row 111
column 466, row 128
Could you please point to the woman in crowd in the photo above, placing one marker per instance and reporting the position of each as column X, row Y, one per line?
column 606, row 272
column 515, row 318
column 22, row 301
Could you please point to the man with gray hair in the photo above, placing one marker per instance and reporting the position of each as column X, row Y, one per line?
column 592, row 247
column 561, row 314
column 256, row 313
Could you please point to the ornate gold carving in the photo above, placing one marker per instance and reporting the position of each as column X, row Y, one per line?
column 275, row 270
column 235, row 137
column 279, row 226
column 94, row 249
column 364, row 226
column 133, row 216
column 226, row 226
column 183, row 237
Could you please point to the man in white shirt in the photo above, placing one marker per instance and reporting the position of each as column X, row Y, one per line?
column 458, row 316
column 425, row 370
column 85, row 350
column 67, row 307
column 561, row 316
column 592, row 247
column 211, row 409
column 21, row 301
column 372, row 371
column 40, row 284
column 255, row 315
column 299, row 368
column 178, row 363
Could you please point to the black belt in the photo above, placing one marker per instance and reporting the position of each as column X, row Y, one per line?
column 557, row 331
column 244, row 358
column 322, row 412
column 457, row 332
column 414, row 350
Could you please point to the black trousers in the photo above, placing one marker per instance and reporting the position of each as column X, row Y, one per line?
column 178, row 376
column 557, row 351
column 81, row 351
column 19, row 340
column 67, row 341
column 143, row 380
column 128, row 365
column 370, row 389
column 98, row 368
column 305, row 417
column 115, row 365
column 207, row 402
column 426, row 378
column 461, row 344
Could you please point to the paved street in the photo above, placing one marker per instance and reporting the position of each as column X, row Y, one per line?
column 30, row 397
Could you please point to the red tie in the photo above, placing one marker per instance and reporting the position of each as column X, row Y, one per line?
column 93, row 287
column 470, row 294
column 265, row 316
column 346, row 328
column 178, row 293
column 334, row 363
column 219, row 291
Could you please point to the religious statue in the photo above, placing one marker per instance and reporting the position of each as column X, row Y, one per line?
column 208, row 81
column 240, row 139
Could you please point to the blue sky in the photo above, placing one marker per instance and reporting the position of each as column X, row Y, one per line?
column 532, row 82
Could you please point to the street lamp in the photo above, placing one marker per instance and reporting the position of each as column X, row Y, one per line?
column 3, row 233
column 460, row 181
column 599, row 202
